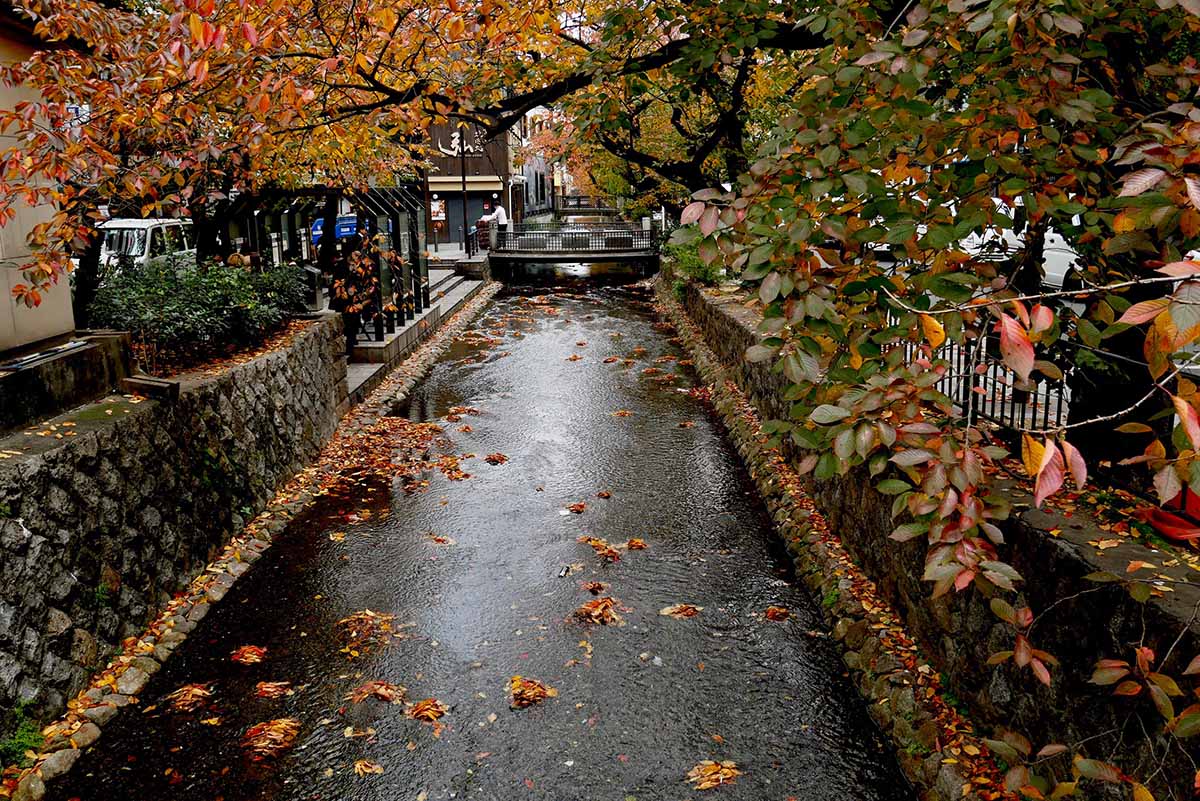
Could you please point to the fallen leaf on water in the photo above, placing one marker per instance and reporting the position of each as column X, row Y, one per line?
column 365, row 767
column 604, row 494
column 574, row 357
column 581, row 344
column 270, row 738
column 602, row 548
column 594, row 587
column 273, row 689
column 612, row 359
column 495, row 458
column 622, row 413
column 365, row 628
column 636, row 544
column 527, row 692
column 709, row 774
column 680, row 611
column 687, row 424
column 189, row 697
column 351, row 733
column 601, row 610
column 465, row 428
column 248, row 654
column 430, row 710
column 337, row 536
column 777, row 613
column 211, row 721
column 383, row 690
column 441, row 539
column 577, row 508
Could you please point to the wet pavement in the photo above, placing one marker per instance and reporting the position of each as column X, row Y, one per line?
column 484, row 574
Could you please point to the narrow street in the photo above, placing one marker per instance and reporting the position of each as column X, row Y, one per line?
column 595, row 430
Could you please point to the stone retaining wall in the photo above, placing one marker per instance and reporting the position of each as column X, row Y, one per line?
column 108, row 510
column 957, row 633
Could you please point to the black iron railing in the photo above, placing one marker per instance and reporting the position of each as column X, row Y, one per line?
column 564, row 203
column 576, row 239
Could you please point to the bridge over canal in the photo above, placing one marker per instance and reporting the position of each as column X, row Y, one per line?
column 613, row 241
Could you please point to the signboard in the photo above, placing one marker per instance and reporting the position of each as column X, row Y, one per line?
column 437, row 210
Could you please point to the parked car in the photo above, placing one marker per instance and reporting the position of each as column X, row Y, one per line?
column 131, row 244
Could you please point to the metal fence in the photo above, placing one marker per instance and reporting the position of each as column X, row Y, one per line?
column 585, row 203
column 576, row 239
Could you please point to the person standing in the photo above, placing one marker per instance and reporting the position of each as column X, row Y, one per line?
column 499, row 216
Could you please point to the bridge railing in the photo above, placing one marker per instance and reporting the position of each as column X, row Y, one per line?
column 576, row 239
column 585, row 203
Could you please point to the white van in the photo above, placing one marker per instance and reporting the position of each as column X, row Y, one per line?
column 132, row 244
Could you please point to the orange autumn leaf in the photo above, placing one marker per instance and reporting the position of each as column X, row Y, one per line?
column 189, row 697
column 680, row 611
column 708, row 774
column 777, row 613
column 495, row 458
column 365, row 767
column 248, row 654
column 594, row 587
column 273, row 689
column 383, row 690
column 270, row 738
column 636, row 544
column 527, row 692
column 577, row 508
column 601, row 610
column 429, row 710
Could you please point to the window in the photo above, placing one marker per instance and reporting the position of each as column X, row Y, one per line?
column 158, row 242
column 125, row 241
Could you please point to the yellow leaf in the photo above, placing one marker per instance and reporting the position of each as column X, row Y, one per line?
column 1140, row 793
column 935, row 334
column 1031, row 454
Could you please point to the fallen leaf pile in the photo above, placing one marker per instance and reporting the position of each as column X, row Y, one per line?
column 248, row 654
column 602, row 548
column 273, row 689
column 383, row 690
column 601, row 610
column 527, row 692
column 429, row 710
column 270, row 738
column 365, row 767
column 709, row 774
column 189, row 697
column 680, row 611
column 364, row 629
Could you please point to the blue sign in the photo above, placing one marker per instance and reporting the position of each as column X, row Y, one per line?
column 344, row 228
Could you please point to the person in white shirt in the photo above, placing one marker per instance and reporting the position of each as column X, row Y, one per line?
column 499, row 216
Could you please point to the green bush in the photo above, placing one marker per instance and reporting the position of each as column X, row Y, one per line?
column 25, row 736
column 686, row 263
column 187, row 314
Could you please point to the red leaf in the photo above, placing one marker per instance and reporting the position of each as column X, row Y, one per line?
column 250, row 33
column 1039, row 670
column 1141, row 181
column 1050, row 473
column 1040, row 318
column 1193, row 667
column 1188, row 418
column 1022, row 652
column 1015, row 346
column 1075, row 464
column 1180, row 269
column 1145, row 311
column 691, row 213
column 709, row 220
column 1166, row 482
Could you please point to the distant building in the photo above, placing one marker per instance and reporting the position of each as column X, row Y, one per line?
column 491, row 173
column 538, row 175
column 20, row 325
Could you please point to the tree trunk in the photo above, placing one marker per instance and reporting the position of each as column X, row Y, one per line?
column 87, row 280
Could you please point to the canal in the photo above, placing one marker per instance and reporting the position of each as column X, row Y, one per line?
column 595, row 429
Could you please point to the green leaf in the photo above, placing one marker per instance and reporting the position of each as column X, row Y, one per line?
column 893, row 486
column 827, row 413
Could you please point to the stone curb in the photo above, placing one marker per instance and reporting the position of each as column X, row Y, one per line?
column 118, row 685
column 883, row 660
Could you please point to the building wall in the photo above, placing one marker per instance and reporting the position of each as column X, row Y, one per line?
column 20, row 325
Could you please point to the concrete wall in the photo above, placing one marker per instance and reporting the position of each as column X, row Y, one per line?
column 20, row 325
column 101, row 527
column 958, row 632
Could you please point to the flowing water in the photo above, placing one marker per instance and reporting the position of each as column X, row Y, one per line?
column 483, row 575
